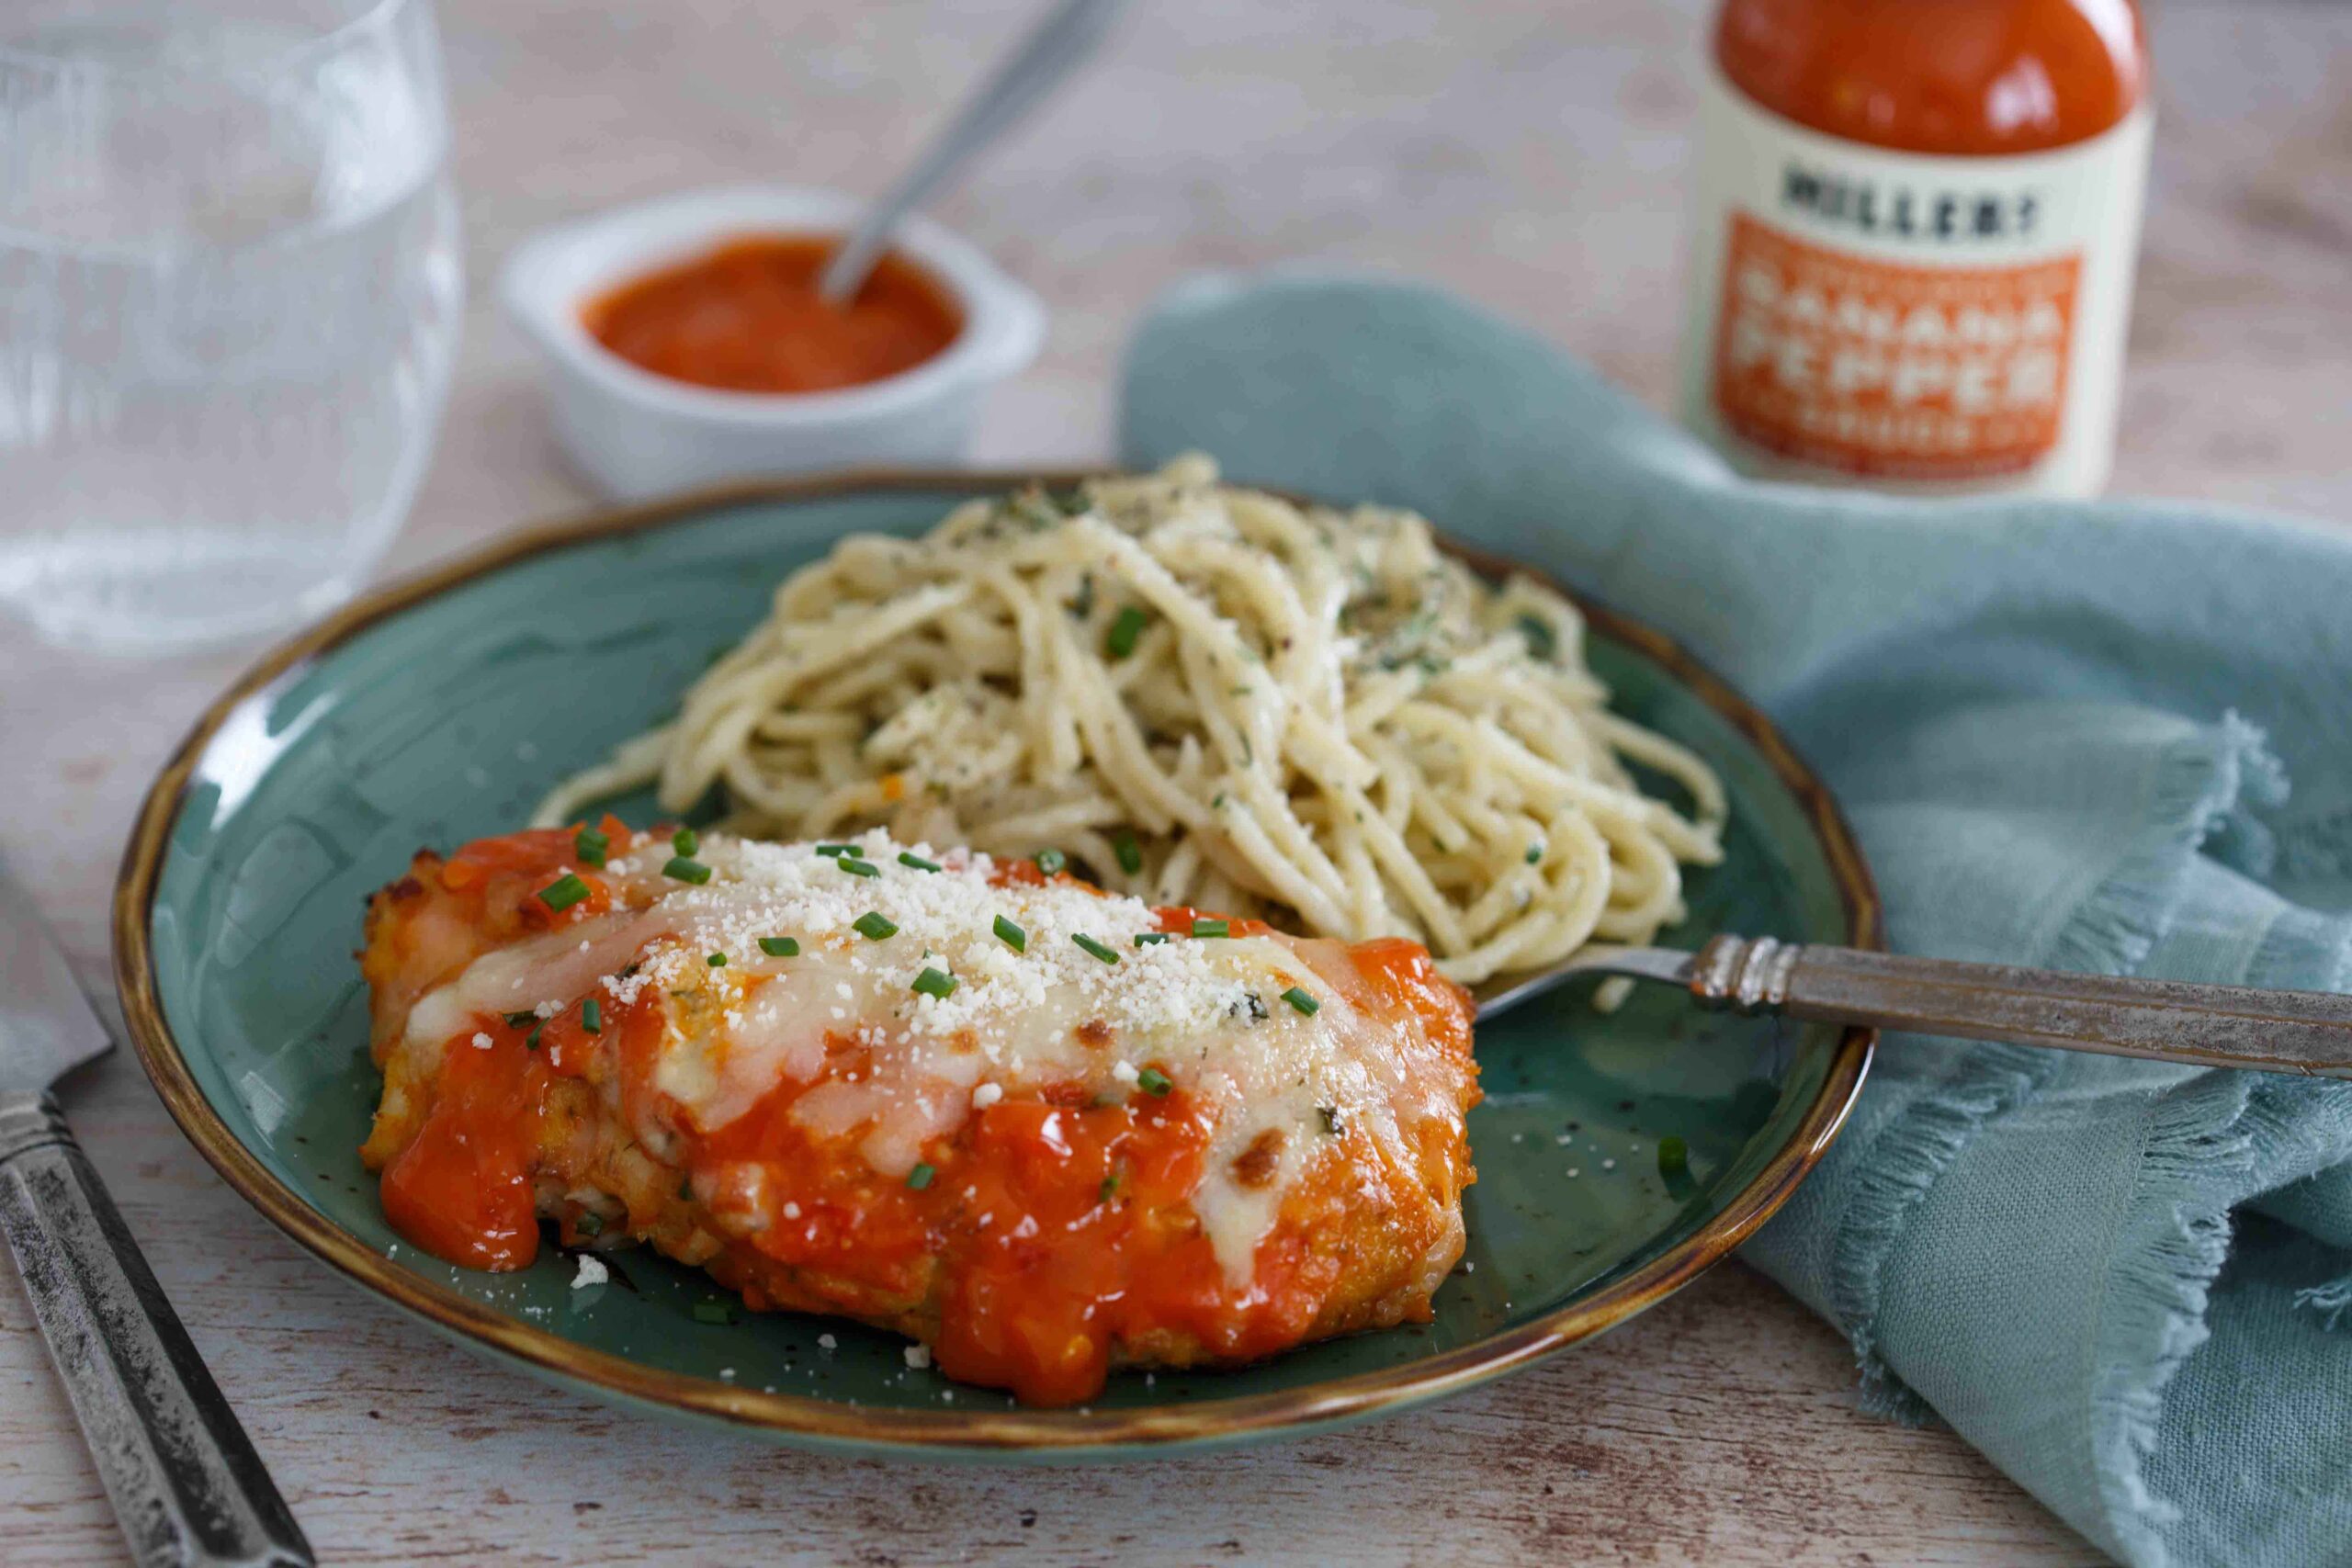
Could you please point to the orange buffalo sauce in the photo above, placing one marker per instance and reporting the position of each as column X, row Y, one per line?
column 1052, row 1225
column 1914, row 228
column 1045, row 1230
column 462, row 1188
column 746, row 318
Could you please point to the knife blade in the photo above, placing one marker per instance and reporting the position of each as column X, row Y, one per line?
column 186, row 1482
column 47, row 1025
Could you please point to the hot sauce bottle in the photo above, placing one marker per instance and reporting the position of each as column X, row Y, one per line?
column 1916, row 226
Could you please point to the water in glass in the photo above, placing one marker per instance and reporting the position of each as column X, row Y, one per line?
column 230, row 290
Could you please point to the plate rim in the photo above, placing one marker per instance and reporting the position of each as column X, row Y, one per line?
column 1064, row 1433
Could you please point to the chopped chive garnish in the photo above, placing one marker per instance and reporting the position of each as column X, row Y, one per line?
column 1536, row 852
column 936, row 983
column 907, row 857
column 713, row 1312
column 1013, row 936
column 1109, row 1188
column 531, row 1041
column 1331, row 1115
column 685, row 841
column 1150, row 938
column 873, row 927
column 1094, row 947
column 919, row 1177
column 858, row 867
column 591, row 1226
column 518, row 1019
column 1673, row 1157
column 591, row 1016
column 717, row 961
column 1303, row 1000
column 1151, row 1081
column 831, row 850
column 1120, row 640
column 563, row 892
column 1212, row 927
column 780, row 946
column 1051, row 862
column 590, row 846
column 1130, row 853
column 681, row 869
column 686, row 1188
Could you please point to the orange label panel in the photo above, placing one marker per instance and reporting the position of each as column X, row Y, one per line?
column 1886, row 370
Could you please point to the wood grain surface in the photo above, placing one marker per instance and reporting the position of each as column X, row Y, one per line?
column 1528, row 155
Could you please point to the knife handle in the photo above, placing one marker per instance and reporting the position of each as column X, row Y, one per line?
column 183, row 1477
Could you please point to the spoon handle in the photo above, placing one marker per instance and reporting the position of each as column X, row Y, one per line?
column 1057, row 45
column 2308, row 1032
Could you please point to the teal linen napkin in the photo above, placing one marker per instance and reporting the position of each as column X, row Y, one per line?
column 2065, row 734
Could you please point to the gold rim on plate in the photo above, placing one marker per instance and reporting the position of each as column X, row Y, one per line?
column 806, row 1416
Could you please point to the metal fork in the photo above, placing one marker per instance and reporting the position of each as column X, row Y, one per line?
column 2306, row 1033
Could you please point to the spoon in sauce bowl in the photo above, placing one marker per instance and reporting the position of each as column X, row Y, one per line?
column 1053, row 49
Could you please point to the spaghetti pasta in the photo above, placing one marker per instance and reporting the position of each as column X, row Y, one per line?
column 1208, row 696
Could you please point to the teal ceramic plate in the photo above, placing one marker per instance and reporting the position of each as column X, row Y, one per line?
column 438, row 710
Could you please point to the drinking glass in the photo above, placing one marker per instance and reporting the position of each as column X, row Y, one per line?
column 230, row 291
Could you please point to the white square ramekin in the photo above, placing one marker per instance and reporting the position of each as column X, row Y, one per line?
column 636, row 434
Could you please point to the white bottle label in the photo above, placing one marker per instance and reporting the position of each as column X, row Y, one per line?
column 1917, row 322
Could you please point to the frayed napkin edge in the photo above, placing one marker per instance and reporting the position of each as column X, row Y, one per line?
column 2331, row 1301
column 2209, row 785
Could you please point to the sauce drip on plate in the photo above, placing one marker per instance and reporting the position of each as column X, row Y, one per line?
column 746, row 318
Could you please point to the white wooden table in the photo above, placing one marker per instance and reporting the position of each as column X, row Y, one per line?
column 1525, row 154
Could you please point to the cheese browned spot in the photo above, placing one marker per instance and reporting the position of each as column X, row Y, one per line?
column 1259, row 1164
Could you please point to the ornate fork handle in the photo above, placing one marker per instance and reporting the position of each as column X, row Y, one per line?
column 2216, row 1026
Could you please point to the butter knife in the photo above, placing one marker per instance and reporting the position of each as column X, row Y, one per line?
column 183, row 1477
